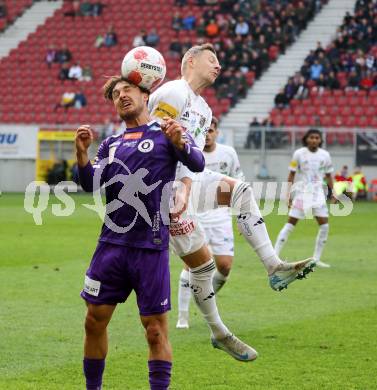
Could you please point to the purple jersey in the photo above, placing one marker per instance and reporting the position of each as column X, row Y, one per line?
column 137, row 169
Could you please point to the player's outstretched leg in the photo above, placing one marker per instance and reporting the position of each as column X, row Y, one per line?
column 184, row 296
column 253, row 228
column 200, row 278
column 236, row 348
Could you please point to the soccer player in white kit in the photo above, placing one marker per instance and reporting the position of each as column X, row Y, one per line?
column 216, row 223
column 181, row 100
column 312, row 164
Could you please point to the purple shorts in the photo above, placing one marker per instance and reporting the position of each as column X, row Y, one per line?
column 116, row 270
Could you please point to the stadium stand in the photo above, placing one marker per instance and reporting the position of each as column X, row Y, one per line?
column 337, row 85
column 79, row 31
column 10, row 10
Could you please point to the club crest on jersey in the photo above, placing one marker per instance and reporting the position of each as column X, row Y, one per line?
column 202, row 121
column 146, row 146
column 223, row 166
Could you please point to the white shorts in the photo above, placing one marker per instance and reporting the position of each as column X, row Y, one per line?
column 299, row 213
column 220, row 238
column 186, row 236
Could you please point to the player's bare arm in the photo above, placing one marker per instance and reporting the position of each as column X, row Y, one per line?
column 290, row 180
column 174, row 132
column 84, row 137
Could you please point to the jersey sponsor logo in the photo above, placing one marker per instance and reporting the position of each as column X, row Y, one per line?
column 112, row 153
column 130, row 144
column 92, row 287
column 146, row 146
column 164, row 109
column 182, row 228
column 136, row 135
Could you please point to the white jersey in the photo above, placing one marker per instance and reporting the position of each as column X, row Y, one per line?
column 311, row 167
column 177, row 100
column 223, row 160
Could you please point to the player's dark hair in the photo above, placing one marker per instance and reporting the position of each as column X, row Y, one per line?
column 308, row 133
column 112, row 82
column 215, row 121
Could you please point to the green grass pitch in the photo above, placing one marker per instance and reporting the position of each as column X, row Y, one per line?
column 321, row 333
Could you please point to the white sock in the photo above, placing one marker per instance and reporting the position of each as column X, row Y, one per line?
column 184, row 292
column 323, row 232
column 283, row 237
column 218, row 281
column 252, row 226
column 202, row 290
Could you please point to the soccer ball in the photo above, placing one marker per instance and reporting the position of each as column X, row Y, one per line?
column 144, row 67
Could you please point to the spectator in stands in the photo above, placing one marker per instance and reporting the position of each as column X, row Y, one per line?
column 97, row 8
column 75, row 72
column 63, row 55
column 332, row 81
column 212, row 29
column 201, row 27
column 290, row 89
column 181, row 3
column 186, row 44
column 241, row 28
column 254, row 135
column 360, row 184
column 50, row 55
column 108, row 129
column 316, row 70
column 80, row 100
column 353, row 81
column 110, row 38
column 139, row 39
column 85, row 8
column 281, row 100
column 302, row 90
column 367, row 81
column 3, row 9
column 67, row 100
column 99, row 41
column 64, row 72
column 152, row 39
column 87, row 74
column 176, row 22
column 74, row 9
column 175, row 48
column 188, row 22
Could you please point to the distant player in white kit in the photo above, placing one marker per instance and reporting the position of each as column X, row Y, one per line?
column 216, row 223
column 312, row 164
column 181, row 100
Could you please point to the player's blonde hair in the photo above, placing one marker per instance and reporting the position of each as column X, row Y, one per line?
column 195, row 51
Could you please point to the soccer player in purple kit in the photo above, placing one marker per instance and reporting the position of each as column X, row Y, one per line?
column 137, row 169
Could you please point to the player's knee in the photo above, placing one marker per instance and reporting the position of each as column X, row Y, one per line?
column 154, row 334
column 224, row 269
column 93, row 325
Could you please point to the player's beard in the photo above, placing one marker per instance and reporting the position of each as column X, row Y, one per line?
column 130, row 114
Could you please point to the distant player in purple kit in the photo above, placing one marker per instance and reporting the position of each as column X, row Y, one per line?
column 137, row 169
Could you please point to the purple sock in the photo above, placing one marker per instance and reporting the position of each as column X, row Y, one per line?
column 93, row 370
column 159, row 374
